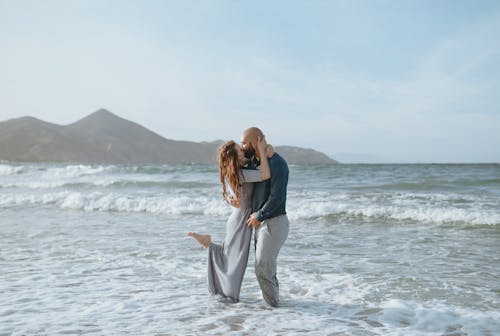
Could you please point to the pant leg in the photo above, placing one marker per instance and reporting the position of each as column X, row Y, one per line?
column 269, row 238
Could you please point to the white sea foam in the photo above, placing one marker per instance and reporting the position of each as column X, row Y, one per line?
column 298, row 209
column 103, row 250
column 139, row 274
column 53, row 183
column 60, row 171
column 10, row 170
column 76, row 170
column 89, row 187
column 397, row 208
column 98, row 201
column 437, row 318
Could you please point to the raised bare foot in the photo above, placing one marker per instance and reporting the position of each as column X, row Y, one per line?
column 204, row 240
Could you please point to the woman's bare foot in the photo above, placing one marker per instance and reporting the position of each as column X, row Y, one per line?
column 204, row 240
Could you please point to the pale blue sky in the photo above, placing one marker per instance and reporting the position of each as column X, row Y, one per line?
column 392, row 81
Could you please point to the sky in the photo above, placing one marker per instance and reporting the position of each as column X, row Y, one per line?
column 362, row 81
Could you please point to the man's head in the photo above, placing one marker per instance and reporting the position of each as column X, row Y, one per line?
column 249, row 140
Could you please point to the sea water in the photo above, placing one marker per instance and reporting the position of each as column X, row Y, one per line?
column 372, row 250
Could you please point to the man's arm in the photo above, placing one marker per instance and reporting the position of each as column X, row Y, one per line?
column 276, row 195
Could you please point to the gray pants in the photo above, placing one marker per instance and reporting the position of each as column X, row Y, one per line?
column 269, row 237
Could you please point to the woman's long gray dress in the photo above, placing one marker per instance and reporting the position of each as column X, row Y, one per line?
column 227, row 262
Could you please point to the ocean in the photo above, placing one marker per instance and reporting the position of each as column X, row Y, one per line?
column 394, row 249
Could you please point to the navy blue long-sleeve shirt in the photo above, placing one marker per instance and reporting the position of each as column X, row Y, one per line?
column 269, row 197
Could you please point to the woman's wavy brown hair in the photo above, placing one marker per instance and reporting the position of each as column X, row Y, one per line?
column 229, row 168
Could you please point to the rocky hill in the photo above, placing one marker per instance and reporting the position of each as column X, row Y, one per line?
column 103, row 137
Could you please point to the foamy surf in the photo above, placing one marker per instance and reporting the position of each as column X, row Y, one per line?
column 212, row 205
column 138, row 274
column 93, row 249
column 6, row 169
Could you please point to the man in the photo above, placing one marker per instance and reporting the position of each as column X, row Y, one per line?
column 269, row 218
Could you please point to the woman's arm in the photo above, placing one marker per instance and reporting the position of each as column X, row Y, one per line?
column 265, row 170
column 264, row 173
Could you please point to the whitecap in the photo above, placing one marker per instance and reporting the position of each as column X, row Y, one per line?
column 6, row 169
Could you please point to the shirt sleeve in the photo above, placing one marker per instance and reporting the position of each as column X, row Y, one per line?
column 251, row 175
column 276, row 199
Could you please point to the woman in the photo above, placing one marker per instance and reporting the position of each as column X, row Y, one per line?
column 227, row 262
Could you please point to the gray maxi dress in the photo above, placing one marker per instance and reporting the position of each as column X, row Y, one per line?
column 227, row 262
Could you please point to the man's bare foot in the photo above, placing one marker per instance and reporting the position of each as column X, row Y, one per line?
column 204, row 240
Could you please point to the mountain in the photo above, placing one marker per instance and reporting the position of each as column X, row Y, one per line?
column 303, row 156
column 103, row 137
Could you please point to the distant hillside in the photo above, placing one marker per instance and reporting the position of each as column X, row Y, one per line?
column 103, row 137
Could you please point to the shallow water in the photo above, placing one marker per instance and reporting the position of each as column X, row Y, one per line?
column 372, row 250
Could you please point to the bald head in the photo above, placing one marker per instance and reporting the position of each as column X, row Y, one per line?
column 252, row 134
column 249, row 141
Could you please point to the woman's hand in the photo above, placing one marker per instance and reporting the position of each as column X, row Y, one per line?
column 269, row 151
column 261, row 144
column 233, row 201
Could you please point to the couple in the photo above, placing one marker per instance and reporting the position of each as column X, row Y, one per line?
column 257, row 178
